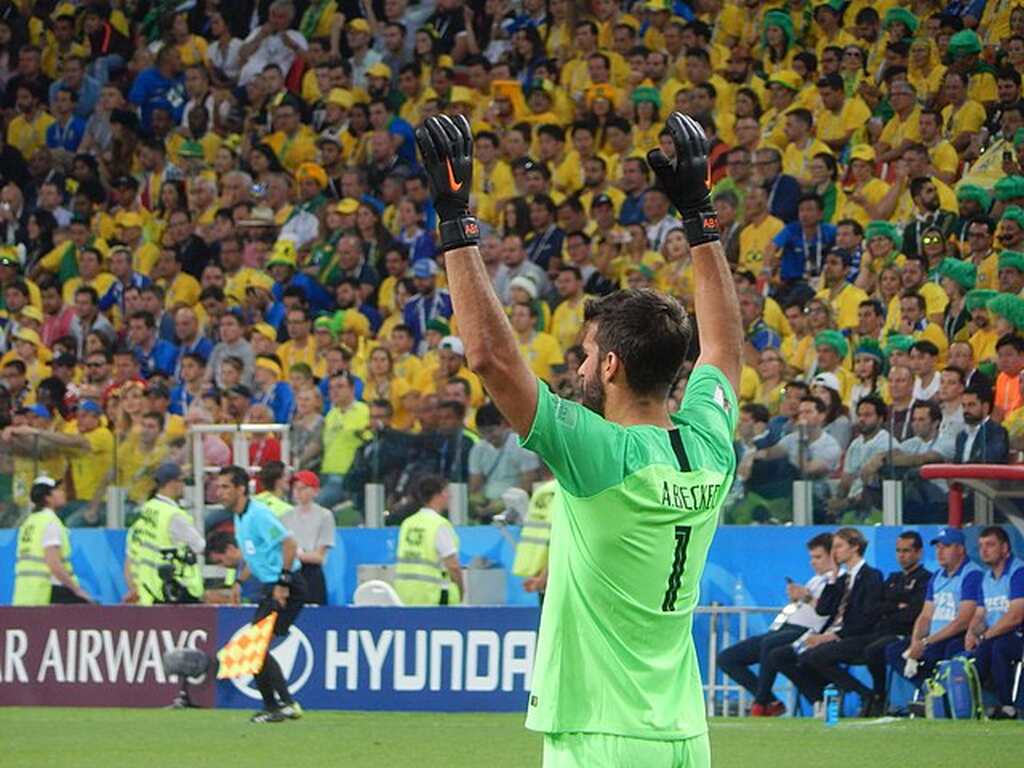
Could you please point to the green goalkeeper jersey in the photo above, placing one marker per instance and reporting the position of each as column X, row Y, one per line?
column 639, row 509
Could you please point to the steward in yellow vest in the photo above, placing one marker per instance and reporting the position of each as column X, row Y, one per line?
column 163, row 525
column 428, row 570
column 43, row 573
column 531, row 561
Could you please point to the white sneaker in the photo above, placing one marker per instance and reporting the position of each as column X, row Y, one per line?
column 292, row 711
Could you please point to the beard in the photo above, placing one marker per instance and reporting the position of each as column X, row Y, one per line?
column 972, row 421
column 592, row 394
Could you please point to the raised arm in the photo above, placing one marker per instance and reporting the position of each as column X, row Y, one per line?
column 446, row 148
column 686, row 180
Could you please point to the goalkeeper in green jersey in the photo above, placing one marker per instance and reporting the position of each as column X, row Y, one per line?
column 616, row 681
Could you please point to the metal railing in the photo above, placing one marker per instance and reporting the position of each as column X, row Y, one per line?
column 717, row 695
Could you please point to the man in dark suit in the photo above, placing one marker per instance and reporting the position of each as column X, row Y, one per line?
column 982, row 441
column 854, row 602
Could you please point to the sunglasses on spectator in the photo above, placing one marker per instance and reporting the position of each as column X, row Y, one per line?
column 930, row 240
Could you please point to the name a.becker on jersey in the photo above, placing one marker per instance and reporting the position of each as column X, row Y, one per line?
column 692, row 498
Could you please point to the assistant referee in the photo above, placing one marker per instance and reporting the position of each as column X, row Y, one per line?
column 266, row 546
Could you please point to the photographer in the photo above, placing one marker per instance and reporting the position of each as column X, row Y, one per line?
column 160, row 566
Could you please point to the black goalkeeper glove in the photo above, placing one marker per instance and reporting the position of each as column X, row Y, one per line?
column 686, row 178
column 446, row 148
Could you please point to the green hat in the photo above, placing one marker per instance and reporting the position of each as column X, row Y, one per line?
column 976, row 193
column 903, row 16
column 643, row 269
column 191, row 149
column 1011, row 260
column 1009, row 307
column 782, row 20
column 964, row 43
column 1018, row 137
column 869, row 346
column 440, row 326
column 835, row 5
column 897, row 342
column 884, row 229
column 1009, row 187
column 979, row 298
column 650, row 94
column 963, row 273
column 833, row 339
column 325, row 322
column 1014, row 213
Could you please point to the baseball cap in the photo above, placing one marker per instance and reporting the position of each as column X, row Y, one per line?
column 601, row 199
column 359, row 25
column 863, row 152
column 827, row 380
column 949, row 536
column 424, row 268
column 166, row 473
column 65, row 360
column 90, row 406
column 125, row 181
column 380, row 69
column 40, row 410
column 453, row 344
column 833, row 81
column 306, row 478
column 347, row 206
column 46, row 480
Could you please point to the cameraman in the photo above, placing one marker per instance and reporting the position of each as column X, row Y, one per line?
column 163, row 525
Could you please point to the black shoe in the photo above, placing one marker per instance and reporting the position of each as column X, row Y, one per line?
column 871, row 706
column 1002, row 713
column 267, row 717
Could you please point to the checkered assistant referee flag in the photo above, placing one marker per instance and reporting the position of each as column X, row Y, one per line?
column 245, row 652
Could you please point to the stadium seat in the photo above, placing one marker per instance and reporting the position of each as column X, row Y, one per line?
column 376, row 592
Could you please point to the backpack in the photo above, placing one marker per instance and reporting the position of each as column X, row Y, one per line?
column 954, row 691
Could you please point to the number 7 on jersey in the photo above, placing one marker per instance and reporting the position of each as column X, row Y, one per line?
column 668, row 605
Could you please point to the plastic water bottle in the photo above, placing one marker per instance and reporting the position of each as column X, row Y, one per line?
column 831, row 702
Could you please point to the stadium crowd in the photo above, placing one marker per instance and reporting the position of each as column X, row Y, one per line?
column 218, row 216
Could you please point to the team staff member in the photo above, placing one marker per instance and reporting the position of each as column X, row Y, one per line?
column 313, row 529
column 995, row 634
column 43, row 573
column 162, row 524
column 531, row 561
column 428, row 570
column 269, row 551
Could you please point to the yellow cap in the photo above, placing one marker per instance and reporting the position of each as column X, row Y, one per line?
column 341, row 97
column 359, row 25
column 283, row 253
column 32, row 313
column 27, row 334
column 311, row 171
column 787, row 78
column 863, row 152
column 356, row 322
column 445, row 62
column 266, row 330
column 380, row 69
column 347, row 206
column 460, row 94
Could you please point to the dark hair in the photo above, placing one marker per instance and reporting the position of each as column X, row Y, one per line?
column 819, row 404
column 219, row 541
column 803, row 115
column 649, row 332
column 853, row 224
column 757, row 412
column 982, row 391
column 40, row 493
column 812, row 197
column 881, row 409
column 934, row 412
column 489, row 416
column 427, row 487
column 876, row 306
column 995, row 531
column 456, row 406
column 821, row 541
column 1009, row 340
column 238, row 476
column 914, row 538
column 271, row 472
column 854, row 538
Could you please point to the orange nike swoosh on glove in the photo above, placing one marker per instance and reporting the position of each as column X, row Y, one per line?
column 455, row 185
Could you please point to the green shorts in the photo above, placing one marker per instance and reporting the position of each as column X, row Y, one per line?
column 600, row 750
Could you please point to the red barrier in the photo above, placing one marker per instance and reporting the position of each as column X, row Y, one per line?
column 980, row 474
column 100, row 656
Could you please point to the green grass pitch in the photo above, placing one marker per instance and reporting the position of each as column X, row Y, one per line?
column 112, row 738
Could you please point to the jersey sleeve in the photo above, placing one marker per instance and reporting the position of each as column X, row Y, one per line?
column 583, row 450
column 272, row 530
column 929, row 595
column 709, row 405
column 971, row 588
column 53, row 537
column 1017, row 584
